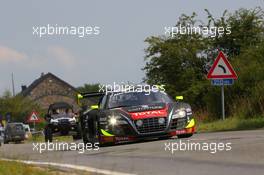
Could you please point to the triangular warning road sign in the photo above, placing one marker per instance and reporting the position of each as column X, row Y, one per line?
column 221, row 69
column 33, row 117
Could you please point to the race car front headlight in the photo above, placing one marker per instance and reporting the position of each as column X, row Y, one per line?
column 116, row 120
column 112, row 120
column 188, row 111
column 180, row 113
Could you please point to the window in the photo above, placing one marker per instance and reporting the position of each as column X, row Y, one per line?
column 102, row 102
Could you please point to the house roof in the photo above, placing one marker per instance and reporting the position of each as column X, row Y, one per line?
column 41, row 79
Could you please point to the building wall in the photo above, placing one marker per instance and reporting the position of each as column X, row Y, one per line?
column 50, row 90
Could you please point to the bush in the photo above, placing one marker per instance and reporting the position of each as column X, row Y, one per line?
column 18, row 106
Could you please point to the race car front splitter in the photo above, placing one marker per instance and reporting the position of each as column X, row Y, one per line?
column 109, row 138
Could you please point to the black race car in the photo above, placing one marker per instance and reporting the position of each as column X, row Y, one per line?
column 61, row 120
column 129, row 116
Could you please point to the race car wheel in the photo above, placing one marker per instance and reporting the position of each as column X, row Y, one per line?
column 78, row 134
column 85, row 136
column 48, row 134
column 184, row 136
column 90, row 131
column 89, row 137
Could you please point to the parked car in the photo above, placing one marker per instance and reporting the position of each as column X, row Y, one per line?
column 1, row 135
column 61, row 120
column 14, row 132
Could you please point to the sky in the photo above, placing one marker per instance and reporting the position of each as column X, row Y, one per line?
column 115, row 55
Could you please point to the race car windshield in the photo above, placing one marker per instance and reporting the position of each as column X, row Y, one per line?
column 137, row 98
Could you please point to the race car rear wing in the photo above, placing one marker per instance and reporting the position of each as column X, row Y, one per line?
column 88, row 95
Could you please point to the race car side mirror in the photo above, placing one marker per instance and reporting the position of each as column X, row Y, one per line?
column 179, row 98
column 94, row 107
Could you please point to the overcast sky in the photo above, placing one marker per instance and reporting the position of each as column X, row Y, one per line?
column 116, row 54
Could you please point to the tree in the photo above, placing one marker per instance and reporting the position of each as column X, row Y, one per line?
column 178, row 62
column 89, row 88
column 181, row 62
column 19, row 107
column 246, row 30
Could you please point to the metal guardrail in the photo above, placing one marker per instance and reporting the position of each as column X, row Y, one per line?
column 36, row 133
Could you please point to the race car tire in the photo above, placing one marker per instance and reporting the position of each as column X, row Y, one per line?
column 184, row 136
column 88, row 138
column 48, row 134
column 84, row 129
column 90, row 132
column 78, row 135
column 84, row 136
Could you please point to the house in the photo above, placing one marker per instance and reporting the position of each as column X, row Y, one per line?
column 49, row 89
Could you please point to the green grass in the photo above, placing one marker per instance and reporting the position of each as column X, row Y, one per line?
column 231, row 124
column 40, row 138
column 15, row 168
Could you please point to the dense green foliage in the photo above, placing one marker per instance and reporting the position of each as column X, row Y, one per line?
column 181, row 63
column 89, row 88
column 19, row 107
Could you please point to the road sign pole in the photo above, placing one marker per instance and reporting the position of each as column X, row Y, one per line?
column 222, row 73
column 223, row 101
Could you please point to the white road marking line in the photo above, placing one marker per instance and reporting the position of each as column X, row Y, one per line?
column 76, row 167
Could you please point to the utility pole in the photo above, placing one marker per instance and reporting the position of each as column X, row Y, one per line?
column 13, row 85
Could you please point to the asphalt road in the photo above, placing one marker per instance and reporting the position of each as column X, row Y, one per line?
column 246, row 156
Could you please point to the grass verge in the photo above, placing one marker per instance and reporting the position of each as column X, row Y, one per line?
column 40, row 138
column 15, row 168
column 231, row 124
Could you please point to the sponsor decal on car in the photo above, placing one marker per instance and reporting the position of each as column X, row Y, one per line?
column 149, row 114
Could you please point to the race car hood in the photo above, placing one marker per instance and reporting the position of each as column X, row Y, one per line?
column 147, row 111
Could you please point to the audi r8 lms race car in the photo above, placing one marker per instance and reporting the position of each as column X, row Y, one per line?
column 130, row 116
